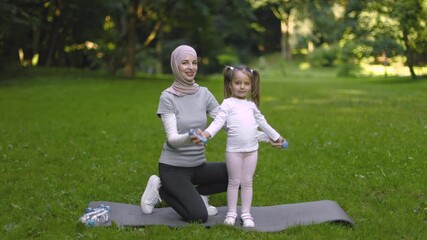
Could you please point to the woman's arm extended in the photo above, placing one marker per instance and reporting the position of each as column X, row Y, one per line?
column 173, row 137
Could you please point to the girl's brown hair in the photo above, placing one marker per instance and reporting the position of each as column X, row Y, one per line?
column 229, row 72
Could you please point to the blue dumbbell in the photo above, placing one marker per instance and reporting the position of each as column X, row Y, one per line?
column 285, row 145
column 199, row 136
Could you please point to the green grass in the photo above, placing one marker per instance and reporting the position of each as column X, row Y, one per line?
column 69, row 137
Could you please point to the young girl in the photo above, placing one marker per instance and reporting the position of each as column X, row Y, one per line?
column 239, row 111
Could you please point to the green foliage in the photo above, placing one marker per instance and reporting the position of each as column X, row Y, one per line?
column 94, row 34
column 347, row 70
column 326, row 27
column 325, row 56
column 68, row 137
column 228, row 57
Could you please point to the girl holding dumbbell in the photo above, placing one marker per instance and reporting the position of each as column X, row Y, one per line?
column 239, row 112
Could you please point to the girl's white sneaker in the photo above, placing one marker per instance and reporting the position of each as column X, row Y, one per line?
column 247, row 220
column 230, row 218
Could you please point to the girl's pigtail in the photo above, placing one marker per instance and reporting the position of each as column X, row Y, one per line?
column 255, row 94
column 227, row 72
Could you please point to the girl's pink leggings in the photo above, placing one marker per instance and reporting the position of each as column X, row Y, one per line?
column 241, row 168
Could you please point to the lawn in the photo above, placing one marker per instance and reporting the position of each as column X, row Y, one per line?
column 69, row 137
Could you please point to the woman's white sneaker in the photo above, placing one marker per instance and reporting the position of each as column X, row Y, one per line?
column 151, row 196
column 212, row 211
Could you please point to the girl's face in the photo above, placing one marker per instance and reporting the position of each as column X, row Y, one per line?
column 187, row 68
column 240, row 85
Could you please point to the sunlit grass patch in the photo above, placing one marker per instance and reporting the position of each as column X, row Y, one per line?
column 396, row 69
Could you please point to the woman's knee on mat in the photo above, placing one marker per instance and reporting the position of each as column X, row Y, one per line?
column 197, row 215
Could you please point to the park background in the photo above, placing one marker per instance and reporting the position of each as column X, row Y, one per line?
column 343, row 81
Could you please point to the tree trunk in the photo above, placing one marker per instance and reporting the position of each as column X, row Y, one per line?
column 10, row 52
column 53, row 47
column 159, row 65
column 287, row 27
column 409, row 55
column 36, row 44
column 129, row 69
column 43, row 37
column 284, row 40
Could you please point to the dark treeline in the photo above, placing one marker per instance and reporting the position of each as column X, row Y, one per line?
column 138, row 35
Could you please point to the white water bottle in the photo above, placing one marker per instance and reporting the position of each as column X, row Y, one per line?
column 96, row 216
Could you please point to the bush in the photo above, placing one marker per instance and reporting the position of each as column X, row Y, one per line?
column 324, row 56
column 227, row 58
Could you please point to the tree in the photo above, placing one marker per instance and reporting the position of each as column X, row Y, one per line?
column 288, row 12
column 386, row 28
column 143, row 16
column 15, row 22
column 129, row 68
column 217, row 29
column 325, row 21
column 412, row 22
column 69, row 29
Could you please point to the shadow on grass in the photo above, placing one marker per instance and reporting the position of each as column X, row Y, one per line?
column 16, row 75
column 398, row 80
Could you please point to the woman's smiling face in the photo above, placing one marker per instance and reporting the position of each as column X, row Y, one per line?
column 187, row 68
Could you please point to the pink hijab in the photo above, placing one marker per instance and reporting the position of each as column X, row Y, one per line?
column 180, row 87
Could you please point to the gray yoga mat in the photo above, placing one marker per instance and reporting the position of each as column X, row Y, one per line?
column 267, row 219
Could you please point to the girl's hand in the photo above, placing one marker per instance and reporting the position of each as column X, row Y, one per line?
column 278, row 143
column 206, row 135
column 196, row 139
